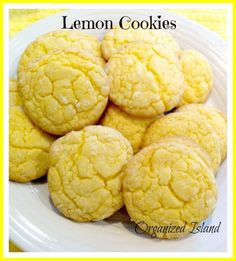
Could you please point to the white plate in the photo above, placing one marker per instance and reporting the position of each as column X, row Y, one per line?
column 34, row 223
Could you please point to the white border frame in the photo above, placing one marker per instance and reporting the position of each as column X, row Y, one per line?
column 229, row 252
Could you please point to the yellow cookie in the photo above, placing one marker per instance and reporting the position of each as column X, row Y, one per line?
column 197, row 75
column 190, row 143
column 215, row 118
column 168, row 185
column 14, row 98
column 187, row 124
column 28, row 148
column 133, row 128
column 118, row 37
column 59, row 40
column 85, row 172
column 63, row 91
column 145, row 79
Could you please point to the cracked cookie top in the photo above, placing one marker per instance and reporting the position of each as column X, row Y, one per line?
column 186, row 124
column 14, row 97
column 28, row 147
column 198, row 77
column 85, row 172
column 133, row 128
column 168, row 184
column 63, row 91
column 59, row 40
column 215, row 118
column 118, row 37
column 145, row 79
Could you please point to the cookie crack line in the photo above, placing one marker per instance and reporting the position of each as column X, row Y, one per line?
column 30, row 148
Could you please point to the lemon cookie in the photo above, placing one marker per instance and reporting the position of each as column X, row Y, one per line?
column 85, row 172
column 187, row 124
column 118, row 37
column 63, row 91
column 133, row 128
column 168, row 185
column 190, row 143
column 215, row 118
column 145, row 79
column 197, row 76
column 62, row 39
column 14, row 98
column 28, row 148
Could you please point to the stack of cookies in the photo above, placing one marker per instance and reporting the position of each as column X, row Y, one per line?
column 118, row 122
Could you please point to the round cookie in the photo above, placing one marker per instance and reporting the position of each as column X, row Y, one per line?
column 187, row 124
column 28, row 148
column 63, row 91
column 145, row 79
column 197, row 76
column 168, row 184
column 190, row 143
column 85, row 172
column 215, row 118
column 133, row 128
column 85, row 44
column 14, row 98
column 118, row 37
